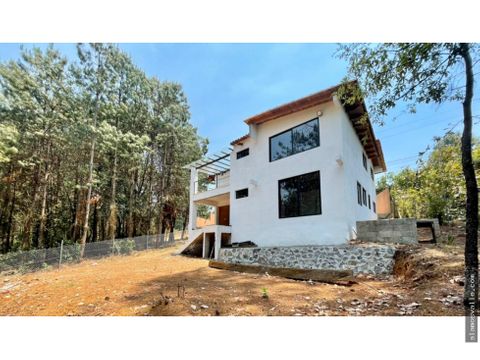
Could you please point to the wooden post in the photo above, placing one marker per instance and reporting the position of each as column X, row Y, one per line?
column 61, row 254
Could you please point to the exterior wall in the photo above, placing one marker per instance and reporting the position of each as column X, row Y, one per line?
column 201, row 222
column 355, row 171
column 339, row 159
column 402, row 231
column 384, row 204
column 256, row 217
column 371, row 259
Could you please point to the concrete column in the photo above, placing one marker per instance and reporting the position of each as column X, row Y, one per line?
column 192, row 214
column 204, row 249
column 218, row 242
column 217, row 217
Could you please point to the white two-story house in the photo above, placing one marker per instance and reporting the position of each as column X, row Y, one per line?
column 303, row 175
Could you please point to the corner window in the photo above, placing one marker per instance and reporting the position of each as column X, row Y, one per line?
column 243, row 153
column 369, row 202
column 359, row 193
column 298, row 139
column 243, row 193
column 300, row 195
column 364, row 196
column 364, row 158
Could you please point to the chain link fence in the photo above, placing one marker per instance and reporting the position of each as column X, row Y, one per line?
column 41, row 258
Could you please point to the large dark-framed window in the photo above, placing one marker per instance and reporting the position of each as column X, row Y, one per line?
column 299, row 195
column 301, row 138
column 242, row 193
column 359, row 193
column 364, row 196
column 243, row 153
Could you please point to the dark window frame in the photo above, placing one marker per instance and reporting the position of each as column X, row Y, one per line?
column 365, row 161
column 369, row 202
column 243, row 153
column 371, row 174
column 298, row 196
column 241, row 193
column 364, row 196
column 359, row 193
column 374, row 207
column 291, row 129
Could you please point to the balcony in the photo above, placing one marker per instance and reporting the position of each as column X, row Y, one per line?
column 210, row 179
column 212, row 182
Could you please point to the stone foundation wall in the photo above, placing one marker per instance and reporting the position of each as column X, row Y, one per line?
column 361, row 259
column 401, row 231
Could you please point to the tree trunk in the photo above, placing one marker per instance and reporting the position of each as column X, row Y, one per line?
column 10, row 220
column 471, row 242
column 43, row 214
column 43, row 211
column 95, row 223
column 112, row 218
column 83, row 240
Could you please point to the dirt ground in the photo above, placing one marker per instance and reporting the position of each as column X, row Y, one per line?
column 428, row 281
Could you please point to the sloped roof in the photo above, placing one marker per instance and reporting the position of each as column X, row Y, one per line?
column 356, row 113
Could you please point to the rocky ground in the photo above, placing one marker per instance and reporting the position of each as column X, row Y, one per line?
column 428, row 281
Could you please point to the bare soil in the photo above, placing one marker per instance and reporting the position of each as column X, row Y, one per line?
column 428, row 281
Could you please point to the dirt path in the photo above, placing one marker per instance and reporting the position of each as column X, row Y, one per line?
column 159, row 283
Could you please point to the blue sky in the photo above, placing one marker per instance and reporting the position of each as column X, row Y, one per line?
column 226, row 83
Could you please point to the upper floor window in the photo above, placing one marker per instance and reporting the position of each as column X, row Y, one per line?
column 243, row 193
column 299, row 195
column 371, row 173
column 364, row 158
column 364, row 196
column 298, row 139
column 243, row 153
column 359, row 193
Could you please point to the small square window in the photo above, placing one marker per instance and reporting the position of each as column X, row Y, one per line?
column 243, row 153
column 243, row 193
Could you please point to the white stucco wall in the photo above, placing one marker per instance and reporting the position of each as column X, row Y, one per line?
column 355, row 171
column 256, row 218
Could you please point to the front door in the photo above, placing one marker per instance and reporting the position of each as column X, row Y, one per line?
column 224, row 215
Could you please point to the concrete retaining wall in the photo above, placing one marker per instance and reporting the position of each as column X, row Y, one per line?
column 401, row 231
column 361, row 259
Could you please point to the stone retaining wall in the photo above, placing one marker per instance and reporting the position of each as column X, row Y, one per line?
column 361, row 259
column 401, row 231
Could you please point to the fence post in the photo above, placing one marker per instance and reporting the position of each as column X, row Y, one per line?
column 147, row 241
column 61, row 254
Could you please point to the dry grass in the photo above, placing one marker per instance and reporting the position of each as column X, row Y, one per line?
column 159, row 283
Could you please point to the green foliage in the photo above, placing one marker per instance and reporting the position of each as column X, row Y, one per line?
column 264, row 293
column 436, row 188
column 408, row 73
column 123, row 247
column 8, row 142
column 51, row 113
